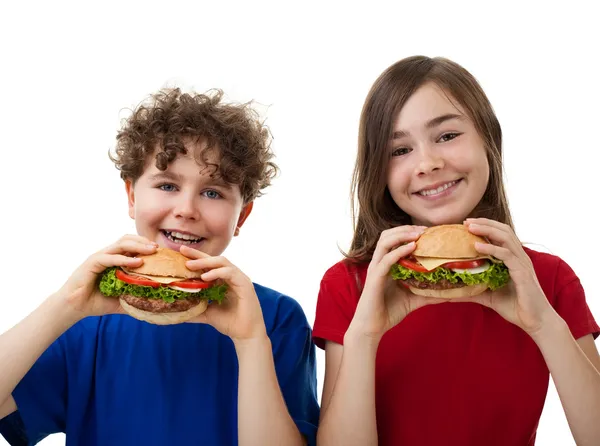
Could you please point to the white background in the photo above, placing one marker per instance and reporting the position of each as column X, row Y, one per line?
column 69, row 71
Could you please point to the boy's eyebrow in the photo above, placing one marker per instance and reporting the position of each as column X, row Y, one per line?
column 431, row 124
column 165, row 176
column 170, row 176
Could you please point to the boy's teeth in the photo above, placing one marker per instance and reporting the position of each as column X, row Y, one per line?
column 438, row 190
column 183, row 236
column 183, row 239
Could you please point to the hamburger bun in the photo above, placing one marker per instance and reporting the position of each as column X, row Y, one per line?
column 164, row 318
column 452, row 293
column 448, row 241
column 166, row 262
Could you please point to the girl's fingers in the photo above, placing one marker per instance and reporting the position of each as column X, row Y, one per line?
column 494, row 234
column 501, row 253
column 393, row 238
column 392, row 257
column 488, row 222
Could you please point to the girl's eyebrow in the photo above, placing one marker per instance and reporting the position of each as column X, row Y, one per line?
column 430, row 124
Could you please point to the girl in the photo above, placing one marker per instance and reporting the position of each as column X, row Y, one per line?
column 466, row 371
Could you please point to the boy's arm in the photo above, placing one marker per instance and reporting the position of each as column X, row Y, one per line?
column 23, row 344
column 263, row 417
column 263, row 414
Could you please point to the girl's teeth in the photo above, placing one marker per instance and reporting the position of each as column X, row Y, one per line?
column 438, row 190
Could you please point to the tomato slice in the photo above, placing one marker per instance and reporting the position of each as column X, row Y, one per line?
column 135, row 280
column 466, row 264
column 411, row 264
column 192, row 284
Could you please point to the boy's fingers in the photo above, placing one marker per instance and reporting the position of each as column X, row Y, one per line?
column 192, row 253
column 103, row 261
column 207, row 263
column 130, row 246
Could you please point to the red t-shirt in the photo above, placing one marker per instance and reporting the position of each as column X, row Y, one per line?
column 456, row 373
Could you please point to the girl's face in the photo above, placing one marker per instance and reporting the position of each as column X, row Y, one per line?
column 438, row 169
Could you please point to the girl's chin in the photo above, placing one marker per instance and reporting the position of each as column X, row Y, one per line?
column 437, row 220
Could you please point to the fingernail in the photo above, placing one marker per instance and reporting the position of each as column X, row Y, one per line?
column 151, row 246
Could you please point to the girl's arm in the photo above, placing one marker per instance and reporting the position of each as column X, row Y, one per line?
column 574, row 368
column 348, row 401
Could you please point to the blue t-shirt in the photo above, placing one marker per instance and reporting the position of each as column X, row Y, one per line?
column 114, row 380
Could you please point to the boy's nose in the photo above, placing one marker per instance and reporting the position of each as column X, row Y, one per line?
column 186, row 208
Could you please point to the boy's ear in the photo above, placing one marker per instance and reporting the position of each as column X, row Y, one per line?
column 130, row 198
column 244, row 214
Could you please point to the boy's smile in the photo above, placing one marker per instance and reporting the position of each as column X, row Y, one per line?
column 184, row 205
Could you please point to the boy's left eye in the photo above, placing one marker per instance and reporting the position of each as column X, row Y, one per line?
column 167, row 187
column 212, row 194
column 448, row 136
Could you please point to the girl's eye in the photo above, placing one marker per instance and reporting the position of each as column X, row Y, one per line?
column 448, row 136
column 212, row 194
column 400, row 151
column 167, row 187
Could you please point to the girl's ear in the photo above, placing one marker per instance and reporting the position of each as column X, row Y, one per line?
column 130, row 198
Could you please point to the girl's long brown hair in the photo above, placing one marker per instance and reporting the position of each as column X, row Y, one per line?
column 373, row 209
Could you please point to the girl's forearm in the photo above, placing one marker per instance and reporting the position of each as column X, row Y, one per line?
column 576, row 379
column 349, row 418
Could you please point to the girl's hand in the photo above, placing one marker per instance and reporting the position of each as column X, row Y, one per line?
column 81, row 291
column 240, row 315
column 522, row 301
column 385, row 302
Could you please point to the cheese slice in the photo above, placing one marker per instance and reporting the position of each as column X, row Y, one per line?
column 159, row 279
column 431, row 263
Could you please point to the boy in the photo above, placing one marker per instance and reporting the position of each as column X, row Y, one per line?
column 244, row 374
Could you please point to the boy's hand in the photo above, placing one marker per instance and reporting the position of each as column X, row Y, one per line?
column 239, row 316
column 81, row 292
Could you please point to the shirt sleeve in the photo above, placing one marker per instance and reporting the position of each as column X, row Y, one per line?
column 43, row 393
column 295, row 366
column 570, row 303
column 336, row 304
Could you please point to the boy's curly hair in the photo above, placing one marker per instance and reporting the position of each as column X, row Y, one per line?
column 160, row 126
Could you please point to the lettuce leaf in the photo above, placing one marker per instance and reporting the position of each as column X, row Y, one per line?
column 495, row 276
column 112, row 287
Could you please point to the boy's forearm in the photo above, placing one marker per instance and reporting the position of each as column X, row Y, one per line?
column 263, row 417
column 349, row 418
column 576, row 379
column 23, row 344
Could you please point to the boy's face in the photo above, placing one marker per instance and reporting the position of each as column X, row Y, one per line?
column 184, row 205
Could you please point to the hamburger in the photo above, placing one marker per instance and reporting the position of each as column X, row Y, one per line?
column 445, row 264
column 162, row 290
